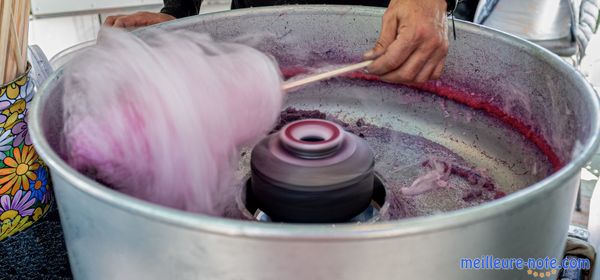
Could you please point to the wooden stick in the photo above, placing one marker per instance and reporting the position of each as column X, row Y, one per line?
column 10, row 67
column 14, row 27
column 15, row 45
column 13, row 48
column 18, row 9
column 19, row 61
column 4, row 36
column 288, row 86
column 24, row 39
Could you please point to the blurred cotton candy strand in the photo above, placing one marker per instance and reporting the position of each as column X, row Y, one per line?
column 162, row 116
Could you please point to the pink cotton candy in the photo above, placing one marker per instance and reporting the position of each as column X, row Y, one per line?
column 162, row 116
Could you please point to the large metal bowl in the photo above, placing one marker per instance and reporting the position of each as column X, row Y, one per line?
column 110, row 235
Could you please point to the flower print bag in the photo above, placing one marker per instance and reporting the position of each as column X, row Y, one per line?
column 25, row 194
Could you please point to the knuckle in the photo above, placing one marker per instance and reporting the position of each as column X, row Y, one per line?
column 120, row 21
column 437, row 41
column 438, row 73
column 435, row 44
column 445, row 46
column 110, row 20
column 421, row 32
column 382, row 43
column 390, row 64
column 419, row 63
column 408, row 75
column 387, row 15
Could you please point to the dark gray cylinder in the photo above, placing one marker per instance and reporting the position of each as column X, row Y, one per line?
column 312, row 171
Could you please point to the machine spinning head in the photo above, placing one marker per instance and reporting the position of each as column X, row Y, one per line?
column 312, row 171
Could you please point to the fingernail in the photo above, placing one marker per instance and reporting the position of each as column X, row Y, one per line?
column 369, row 54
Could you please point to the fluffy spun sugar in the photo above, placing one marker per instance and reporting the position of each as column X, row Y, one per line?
column 162, row 116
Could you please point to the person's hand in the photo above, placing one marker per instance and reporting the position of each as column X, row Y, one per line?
column 413, row 43
column 138, row 19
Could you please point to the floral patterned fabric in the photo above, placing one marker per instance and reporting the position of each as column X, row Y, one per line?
column 25, row 194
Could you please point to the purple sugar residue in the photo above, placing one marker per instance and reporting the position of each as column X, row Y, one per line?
column 437, row 177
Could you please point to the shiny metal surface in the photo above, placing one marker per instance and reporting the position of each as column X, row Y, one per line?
column 112, row 236
column 66, row 55
column 533, row 20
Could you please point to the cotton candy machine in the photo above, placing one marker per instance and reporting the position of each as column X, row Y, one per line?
column 508, row 128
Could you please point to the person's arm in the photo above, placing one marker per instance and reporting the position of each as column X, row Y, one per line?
column 413, row 43
column 172, row 9
column 181, row 8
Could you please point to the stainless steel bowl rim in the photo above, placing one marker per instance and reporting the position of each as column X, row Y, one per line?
column 325, row 232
